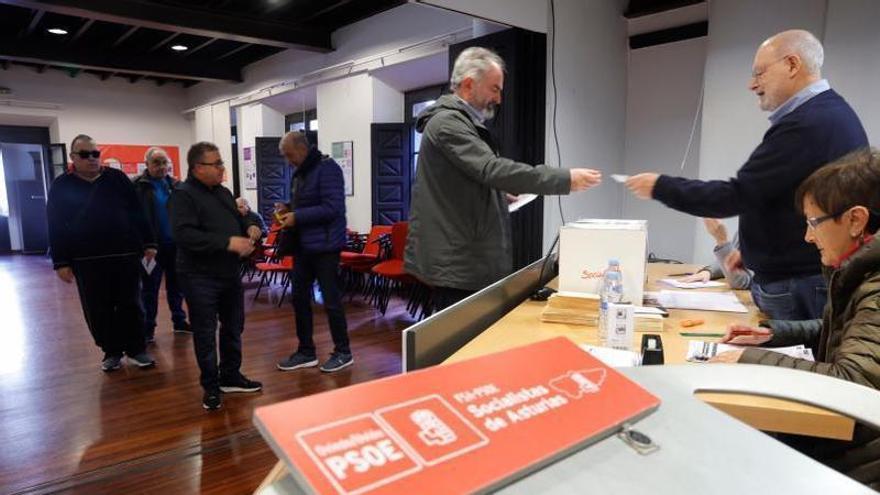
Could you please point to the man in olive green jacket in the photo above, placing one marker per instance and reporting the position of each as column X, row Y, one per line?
column 459, row 232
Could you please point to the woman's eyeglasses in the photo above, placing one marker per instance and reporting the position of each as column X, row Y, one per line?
column 86, row 154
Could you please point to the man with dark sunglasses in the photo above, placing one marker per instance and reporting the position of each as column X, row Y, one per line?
column 154, row 189
column 98, row 235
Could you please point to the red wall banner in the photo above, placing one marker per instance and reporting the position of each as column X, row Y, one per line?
column 460, row 428
column 130, row 158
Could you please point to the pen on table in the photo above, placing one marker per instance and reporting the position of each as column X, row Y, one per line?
column 679, row 274
column 701, row 334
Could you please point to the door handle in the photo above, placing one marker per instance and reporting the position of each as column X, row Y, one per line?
column 37, row 197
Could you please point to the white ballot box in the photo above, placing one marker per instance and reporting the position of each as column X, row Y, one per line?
column 585, row 246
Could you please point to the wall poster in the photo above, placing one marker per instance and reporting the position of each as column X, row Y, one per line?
column 343, row 153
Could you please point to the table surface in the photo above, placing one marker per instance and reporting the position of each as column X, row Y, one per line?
column 523, row 326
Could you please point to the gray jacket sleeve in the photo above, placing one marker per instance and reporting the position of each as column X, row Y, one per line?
column 466, row 150
column 737, row 279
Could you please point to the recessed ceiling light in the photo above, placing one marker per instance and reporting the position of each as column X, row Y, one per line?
column 179, row 48
column 57, row 31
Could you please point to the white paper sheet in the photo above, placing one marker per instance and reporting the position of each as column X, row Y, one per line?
column 700, row 351
column 705, row 301
column 690, row 285
column 522, row 200
column 616, row 358
column 620, row 178
column 149, row 265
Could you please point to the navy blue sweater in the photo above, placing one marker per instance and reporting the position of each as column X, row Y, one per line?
column 95, row 219
column 317, row 199
column 771, row 230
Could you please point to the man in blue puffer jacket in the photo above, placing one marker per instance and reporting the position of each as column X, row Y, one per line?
column 317, row 223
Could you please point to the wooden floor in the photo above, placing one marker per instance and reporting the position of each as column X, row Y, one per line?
column 67, row 427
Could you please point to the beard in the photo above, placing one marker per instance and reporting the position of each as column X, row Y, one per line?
column 486, row 108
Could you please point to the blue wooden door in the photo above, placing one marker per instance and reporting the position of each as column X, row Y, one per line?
column 273, row 176
column 392, row 172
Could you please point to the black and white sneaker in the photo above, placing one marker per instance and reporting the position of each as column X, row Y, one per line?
column 183, row 328
column 336, row 362
column 297, row 360
column 240, row 384
column 111, row 362
column 142, row 360
column 211, row 401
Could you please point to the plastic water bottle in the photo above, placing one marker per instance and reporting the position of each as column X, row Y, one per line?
column 612, row 292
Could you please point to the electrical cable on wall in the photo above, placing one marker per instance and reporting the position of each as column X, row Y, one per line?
column 555, row 100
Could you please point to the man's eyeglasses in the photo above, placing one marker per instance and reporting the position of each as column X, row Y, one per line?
column 86, row 154
column 757, row 74
column 159, row 162
column 217, row 164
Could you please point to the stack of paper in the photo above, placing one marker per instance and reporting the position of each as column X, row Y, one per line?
column 690, row 285
column 699, row 351
column 648, row 323
column 705, row 301
column 574, row 308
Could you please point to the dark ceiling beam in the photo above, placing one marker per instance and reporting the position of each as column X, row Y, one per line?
column 38, row 14
column 190, row 52
column 125, row 35
column 164, row 41
column 232, row 52
column 187, row 21
column 640, row 8
column 107, row 60
column 85, row 27
column 333, row 6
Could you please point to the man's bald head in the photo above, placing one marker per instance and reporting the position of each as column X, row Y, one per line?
column 801, row 43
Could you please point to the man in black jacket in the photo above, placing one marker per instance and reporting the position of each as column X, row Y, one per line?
column 811, row 125
column 154, row 189
column 98, row 236
column 212, row 238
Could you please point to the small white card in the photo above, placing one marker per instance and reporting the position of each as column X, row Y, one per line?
column 620, row 177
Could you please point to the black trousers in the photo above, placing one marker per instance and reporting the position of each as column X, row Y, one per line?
column 443, row 297
column 208, row 299
column 109, row 291
column 150, row 283
column 306, row 269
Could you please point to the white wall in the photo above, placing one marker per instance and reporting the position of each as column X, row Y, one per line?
column 212, row 123
column 253, row 121
column 663, row 94
column 346, row 108
column 113, row 111
column 852, row 42
column 591, row 80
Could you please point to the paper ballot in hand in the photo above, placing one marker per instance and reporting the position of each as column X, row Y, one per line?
column 620, row 178
column 149, row 265
column 522, row 200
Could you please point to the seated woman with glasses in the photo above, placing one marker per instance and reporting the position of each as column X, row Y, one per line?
column 841, row 202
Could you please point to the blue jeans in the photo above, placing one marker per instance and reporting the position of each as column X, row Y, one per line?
column 791, row 299
column 325, row 268
column 165, row 264
column 209, row 298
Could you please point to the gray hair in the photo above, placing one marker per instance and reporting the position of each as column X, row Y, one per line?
column 803, row 44
column 473, row 62
column 152, row 151
column 293, row 138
